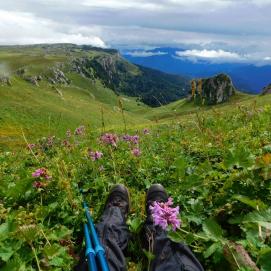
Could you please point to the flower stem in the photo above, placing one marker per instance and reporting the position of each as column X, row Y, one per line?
column 36, row 257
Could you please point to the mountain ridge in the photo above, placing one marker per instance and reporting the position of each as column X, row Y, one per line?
column 247, row 77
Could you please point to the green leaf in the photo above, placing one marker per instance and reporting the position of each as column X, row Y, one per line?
column 239, row 157
column 149, row 255
column 211, row 250
column 6, row 253
column 212, row 229
column 263, row 218
column 265, row 260
column 16, row 264
column 252, row 203
column 175, row 236
column 180, row 164
column 135, row 224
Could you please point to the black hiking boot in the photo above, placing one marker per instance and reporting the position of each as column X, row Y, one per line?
column 157, row 193
column 149, row 231
column 119, row 197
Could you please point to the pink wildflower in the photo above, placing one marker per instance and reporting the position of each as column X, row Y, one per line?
column 41, row 173
column 133, row 139
column 95, row 155
column 66, row 143
column 50, row 141
column 38, row 184
column 146, row 131
column 31, row 146
column 80, row 130
column 110, row 139
column 164, row 215
column 136, row 152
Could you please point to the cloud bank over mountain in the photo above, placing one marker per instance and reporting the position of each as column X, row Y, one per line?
column 210, row 29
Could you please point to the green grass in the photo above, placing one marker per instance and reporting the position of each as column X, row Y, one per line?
column 215, row 164
column 42, row 111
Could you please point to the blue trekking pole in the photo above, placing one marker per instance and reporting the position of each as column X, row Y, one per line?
column 99, row 250
column 90, row 253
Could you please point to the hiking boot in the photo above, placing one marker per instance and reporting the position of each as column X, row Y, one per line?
column 157, row 193
column 119, row 197
column 149, row 231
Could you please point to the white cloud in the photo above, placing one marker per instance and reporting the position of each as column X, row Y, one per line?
column 145, row 53
column 209, row 54
column 127, row 4
column 25, row 28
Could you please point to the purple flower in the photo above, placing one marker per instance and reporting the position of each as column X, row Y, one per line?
column 164, row 215
column 66, row 143
column 146, row 131
column 31, row 146
column 95, row 155
column 41, row 173
column 136, row 152
column 110, row 139
column 133, row 139
column 80, row 130
column 38, row 184
column 50, row 141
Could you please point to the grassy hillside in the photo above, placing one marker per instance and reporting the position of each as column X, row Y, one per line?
column 50, row 109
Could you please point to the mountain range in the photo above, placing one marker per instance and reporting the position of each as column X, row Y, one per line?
column 246, row 77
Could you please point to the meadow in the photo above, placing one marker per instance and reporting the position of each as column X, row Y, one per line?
column 215, row 162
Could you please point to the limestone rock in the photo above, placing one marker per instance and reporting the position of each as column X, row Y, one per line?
column 266, row 90
column 213, row 90
column 32, row 79
column 5, row 81
column 58, row 77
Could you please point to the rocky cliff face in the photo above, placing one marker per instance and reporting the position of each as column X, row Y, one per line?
column 151, row 87
column 210, row 91
column 266, row 90
column 5, row 80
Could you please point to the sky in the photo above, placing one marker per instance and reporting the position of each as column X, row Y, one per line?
column 216, row 30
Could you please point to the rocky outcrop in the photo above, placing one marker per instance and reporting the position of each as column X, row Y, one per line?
column 266, row 90
column 58, row 77
column 32, row 79
column 5, row 81
column 210, row 91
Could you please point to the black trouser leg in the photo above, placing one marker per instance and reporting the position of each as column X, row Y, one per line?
column 169, row 256
column 114, row 236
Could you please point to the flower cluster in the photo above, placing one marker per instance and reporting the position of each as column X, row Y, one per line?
column 38, row 184
column 80, row 130
column 136, row 152
column 164, row 215
column 110, row 139
column 41, row 173
column 146, row 131
column 66, row 143
column 133, row 139
column 95, row 155
column 31, row 146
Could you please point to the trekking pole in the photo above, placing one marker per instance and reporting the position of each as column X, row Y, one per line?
column 99, row 250
column 90, row 253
